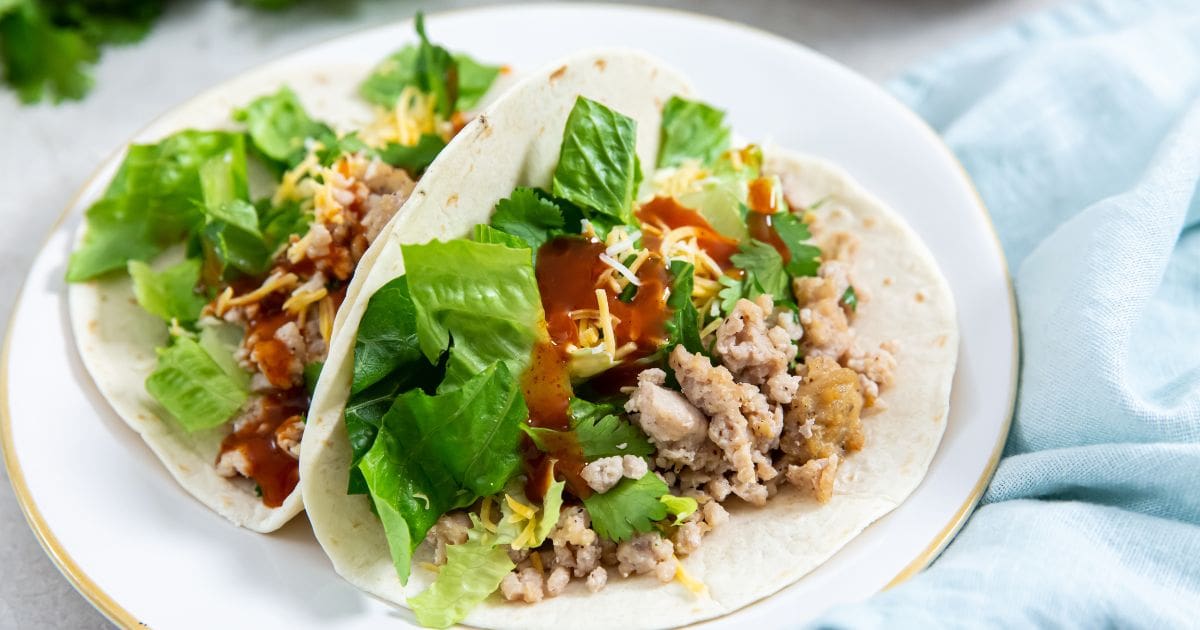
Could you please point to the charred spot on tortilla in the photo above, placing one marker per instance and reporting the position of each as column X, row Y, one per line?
column 558, row 74
column 601, row 64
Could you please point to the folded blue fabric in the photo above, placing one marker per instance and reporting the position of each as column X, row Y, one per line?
column 1081, row 129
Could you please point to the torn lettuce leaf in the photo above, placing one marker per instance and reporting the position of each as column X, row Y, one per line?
column 679, row 507
column 473, row 571
column 193, row 387
column 598, row 165
column 280, row 129
column 416, row 158
column 489, row 234
column 438, row 453
column 483, row 295
column 691, row 130
column 230, row 237
column 171, row 293
column 150, row 203
column 633, row 505
column 457, row 81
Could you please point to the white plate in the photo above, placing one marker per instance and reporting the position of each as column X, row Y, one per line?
column 143, row 551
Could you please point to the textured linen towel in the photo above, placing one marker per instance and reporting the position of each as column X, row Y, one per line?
column 1081, row 129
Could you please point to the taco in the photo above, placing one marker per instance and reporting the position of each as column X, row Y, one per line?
column 623, row 372
column 207, row 278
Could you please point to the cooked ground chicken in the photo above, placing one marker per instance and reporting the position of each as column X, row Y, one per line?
column 288, row 317
column 778, row 403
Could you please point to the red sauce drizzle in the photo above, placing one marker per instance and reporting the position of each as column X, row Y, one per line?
column 762, row 205
column 568, row 269
column 665, row 211
column 275, row 472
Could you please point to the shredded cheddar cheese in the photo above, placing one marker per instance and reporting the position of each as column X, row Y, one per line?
column 277, row 281
column 606, row 323
column 689, row 582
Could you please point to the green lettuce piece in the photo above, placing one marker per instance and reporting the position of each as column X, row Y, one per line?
column 221, row 340
column 551, row 508
column 400, row 70
column 231, row 236
column 437, row 453
column 387, row 362
column 597, row 166
column 806, row 257
column 387, row 335
column 484, row 295
column 473, row 571
column 849, row 299
column 278, row 223
column 530, row 217
column 190, row 385
column 679, row 507
column 151, row 202
column 474, row 80
column 720, row 206
column 414, row 159
column 278, row 127
column 489, row 234
column 171, row 293
column 631, row 506
column 691, row 130
column 683, row 327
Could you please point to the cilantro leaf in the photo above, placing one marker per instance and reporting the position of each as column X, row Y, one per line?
column 736, row 289
column 599, row 431
column 760, row 260
column 438, row 453
column 793, row 232
column 631, row 506
column 171, row 293
column 691, row 130
column 528, row 216
column 597, row 165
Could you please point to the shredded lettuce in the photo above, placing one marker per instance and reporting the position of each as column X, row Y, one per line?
column 719, row 204
column 598, row 166
column 150, row 203
column 437, row 453
column 279, row 127
column 473, row 570
column 193, row 387
column 221, row 340
column 171, row 293
column 679, row 507
column 691, row 130
column 631, row 506
column 484, row 295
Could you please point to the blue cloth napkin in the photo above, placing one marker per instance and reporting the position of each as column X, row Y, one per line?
column 1081, row 129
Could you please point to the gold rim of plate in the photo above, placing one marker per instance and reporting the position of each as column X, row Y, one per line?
column 116, row 613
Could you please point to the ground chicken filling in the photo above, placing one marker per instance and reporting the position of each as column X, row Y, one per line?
column 780, row 402
column 287, row 317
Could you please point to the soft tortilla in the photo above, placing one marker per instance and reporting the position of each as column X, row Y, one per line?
column 761, row 550
column 117, row 339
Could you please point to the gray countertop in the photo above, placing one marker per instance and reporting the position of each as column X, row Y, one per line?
column 49, row 151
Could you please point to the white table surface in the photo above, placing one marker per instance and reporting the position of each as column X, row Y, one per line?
column 47, row 152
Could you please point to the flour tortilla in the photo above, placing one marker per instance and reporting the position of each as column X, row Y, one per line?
column 760, row 550
column 117, row 339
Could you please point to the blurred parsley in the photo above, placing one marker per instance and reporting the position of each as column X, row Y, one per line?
column 48, row 46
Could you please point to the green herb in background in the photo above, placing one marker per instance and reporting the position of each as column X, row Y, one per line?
column 48, row 46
